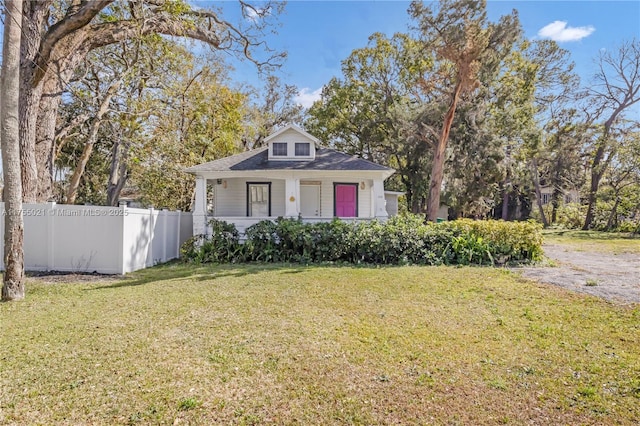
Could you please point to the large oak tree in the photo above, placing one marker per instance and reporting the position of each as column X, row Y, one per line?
column 464, row 42
column 616, row 90
column 57, row 36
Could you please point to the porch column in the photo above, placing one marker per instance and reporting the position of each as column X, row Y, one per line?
column 378, row 201
column 292, row 197
column 200, row 207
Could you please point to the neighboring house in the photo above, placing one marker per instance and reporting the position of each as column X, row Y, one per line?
column 293, row 176
column 391, row 199
column 568, row 195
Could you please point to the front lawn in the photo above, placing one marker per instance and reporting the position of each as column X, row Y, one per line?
column 606, row 242
column 317, row 345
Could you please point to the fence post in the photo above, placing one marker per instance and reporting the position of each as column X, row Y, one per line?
column 165, row 218
column 122, row 262
column 178, row 234
column 51, row 226
column 150, row 240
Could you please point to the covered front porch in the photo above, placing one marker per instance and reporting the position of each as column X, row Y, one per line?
column 253, row 197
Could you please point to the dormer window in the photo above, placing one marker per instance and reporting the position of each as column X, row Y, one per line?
column 303, row 149
column 280, row 149
column 291, row 144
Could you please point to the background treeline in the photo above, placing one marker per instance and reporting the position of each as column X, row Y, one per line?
column 151, row 108
column 527, row 139
column 469, row 112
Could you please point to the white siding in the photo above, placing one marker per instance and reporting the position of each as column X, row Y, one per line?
column 277, row 197
column 326, row 198
column 291, row 136
column 364, row 200
column 232, row 200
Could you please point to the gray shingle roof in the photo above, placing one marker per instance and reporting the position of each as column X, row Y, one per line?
column 326, row 159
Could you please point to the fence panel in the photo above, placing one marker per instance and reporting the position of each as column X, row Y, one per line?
column 110, row 240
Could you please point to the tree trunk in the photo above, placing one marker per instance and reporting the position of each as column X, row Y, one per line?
column 596, row 175
column 45, row 136
column 33, row 22
column 72, row 191
column 74, row 183
column 53, row 86
column 29, row 101
column 439, row 157
column 505, row 201
column 600, row 164
column 536, row 186
column 507, row 185
column 118, row 173
column 612, row 222
column 13, row 279
column 555, row 202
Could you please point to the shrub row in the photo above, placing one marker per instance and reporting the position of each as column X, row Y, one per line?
column 400, row 240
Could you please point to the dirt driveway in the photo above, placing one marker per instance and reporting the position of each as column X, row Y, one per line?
column 615, row 277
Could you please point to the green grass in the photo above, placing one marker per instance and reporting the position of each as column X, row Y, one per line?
column 317, row 345
column 605, row 242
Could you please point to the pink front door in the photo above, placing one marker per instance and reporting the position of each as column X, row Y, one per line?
column 346, row 200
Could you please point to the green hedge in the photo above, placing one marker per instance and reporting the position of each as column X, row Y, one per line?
column 401, row 240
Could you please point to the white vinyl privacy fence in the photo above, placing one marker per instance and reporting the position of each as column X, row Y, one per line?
column 107, row 240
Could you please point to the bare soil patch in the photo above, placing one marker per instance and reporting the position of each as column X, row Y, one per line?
column 53, row 277
column 615, row 277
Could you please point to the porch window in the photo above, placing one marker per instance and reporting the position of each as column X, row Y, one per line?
column 259, row 199
column 280, row 149
column 303, row 149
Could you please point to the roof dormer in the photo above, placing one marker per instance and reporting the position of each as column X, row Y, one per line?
column 291, row 143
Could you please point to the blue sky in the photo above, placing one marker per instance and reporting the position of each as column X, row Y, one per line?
column 319, row 34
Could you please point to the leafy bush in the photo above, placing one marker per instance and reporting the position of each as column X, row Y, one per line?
column 262, row 242
column 330, row 241
column 499, row 241
column 404, row 239
column 222, row 246
column 571, row 215
column 190, row 249
column 291, row 240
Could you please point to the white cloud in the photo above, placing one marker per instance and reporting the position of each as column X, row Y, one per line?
column 254, row 14
column 559, row 31
column 306, row 97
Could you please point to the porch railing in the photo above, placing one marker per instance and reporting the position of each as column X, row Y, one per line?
column 242, row 223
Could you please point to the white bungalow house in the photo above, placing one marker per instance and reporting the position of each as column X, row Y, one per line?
column 290, row 177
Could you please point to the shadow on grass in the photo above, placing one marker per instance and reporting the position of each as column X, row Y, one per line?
column 176, row 270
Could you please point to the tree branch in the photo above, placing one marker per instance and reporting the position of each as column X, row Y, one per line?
column 78, row 16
